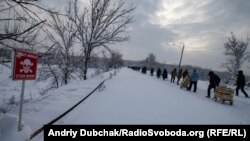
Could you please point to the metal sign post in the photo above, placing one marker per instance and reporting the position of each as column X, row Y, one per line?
column 24, row 68
column 21, row 107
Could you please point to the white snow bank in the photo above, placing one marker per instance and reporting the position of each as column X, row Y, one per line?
column 134, row 98
column 8, row 129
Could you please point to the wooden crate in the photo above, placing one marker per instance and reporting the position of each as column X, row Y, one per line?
column 223, row 94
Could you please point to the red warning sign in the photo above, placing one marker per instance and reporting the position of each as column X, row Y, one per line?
column 24, row 65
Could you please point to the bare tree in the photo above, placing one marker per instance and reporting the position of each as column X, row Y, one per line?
column 48, row 71
column 103, row 63
column 115, row 60
column 111, row 60
column 236, row 51
column 150, row 61
column 19, row 22
column 62, row 36
column 99, row 24
column 5, row 53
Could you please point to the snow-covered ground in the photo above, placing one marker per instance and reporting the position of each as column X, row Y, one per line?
column 132, row 98
column 39, row 109
column 10, row 90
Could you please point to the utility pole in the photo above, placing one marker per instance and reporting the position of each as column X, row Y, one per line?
column 181, row 56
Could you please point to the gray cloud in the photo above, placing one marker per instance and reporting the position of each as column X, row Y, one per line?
column 203, row 26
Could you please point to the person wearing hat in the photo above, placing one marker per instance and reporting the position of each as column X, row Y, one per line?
column 193, row 80
column 214, row 81
column 241, row 82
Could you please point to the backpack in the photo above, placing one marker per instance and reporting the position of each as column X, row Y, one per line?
column 217, row 79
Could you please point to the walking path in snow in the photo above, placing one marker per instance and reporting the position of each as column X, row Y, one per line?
column 134, row 98
column 128, row 98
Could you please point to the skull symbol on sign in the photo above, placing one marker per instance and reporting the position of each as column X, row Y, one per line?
column 26, row 66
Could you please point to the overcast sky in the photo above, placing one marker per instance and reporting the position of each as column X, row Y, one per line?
column 202, row 25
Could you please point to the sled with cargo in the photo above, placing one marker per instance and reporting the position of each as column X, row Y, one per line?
column 185, row 82
column 223, row 94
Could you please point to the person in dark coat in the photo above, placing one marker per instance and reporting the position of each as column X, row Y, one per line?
column 241, row 82
column 152, row 72
column 158, row 73
column 173, row 75
column 179, row 76
column 214, row 81
column 144, row 70
column 194, row 80
column 165, row 74
column 185, row 73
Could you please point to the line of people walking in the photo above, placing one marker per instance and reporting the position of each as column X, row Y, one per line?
column 214, row 82
column 164, row 74
column 189, row 81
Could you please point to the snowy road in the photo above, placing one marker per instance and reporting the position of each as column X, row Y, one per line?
column 128, row 98
column 134, row 98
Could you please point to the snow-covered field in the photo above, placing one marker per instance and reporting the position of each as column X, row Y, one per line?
column 128, row 98
column 10, row 90
column 133, row 98
column 39, row 109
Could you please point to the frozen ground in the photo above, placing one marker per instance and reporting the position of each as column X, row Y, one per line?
column 132, row 98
